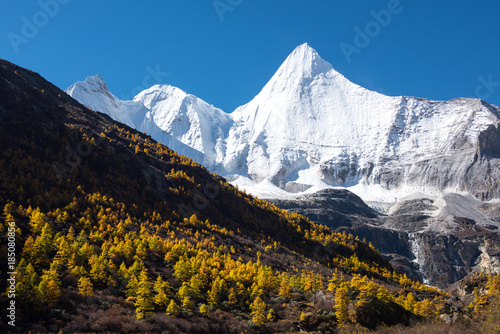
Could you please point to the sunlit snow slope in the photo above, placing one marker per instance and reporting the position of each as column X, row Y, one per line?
column 310, row 126
column 179, row 120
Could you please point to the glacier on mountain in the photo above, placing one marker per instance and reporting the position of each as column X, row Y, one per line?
column 311, row 128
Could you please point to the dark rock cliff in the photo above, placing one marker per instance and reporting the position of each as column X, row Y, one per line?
column 438, row 250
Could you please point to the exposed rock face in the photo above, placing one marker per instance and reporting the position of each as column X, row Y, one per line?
column 483, row 175
column 331, row 207
column 426, row 239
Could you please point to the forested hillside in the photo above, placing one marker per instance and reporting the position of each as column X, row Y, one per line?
column 116, row 232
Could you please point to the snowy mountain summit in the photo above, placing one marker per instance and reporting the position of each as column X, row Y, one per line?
column 179, row 120
column 311, row 128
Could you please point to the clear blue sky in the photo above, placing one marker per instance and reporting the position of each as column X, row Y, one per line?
column 431, row 49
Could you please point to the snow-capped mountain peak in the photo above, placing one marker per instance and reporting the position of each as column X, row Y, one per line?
column 304, row 62
column 179, row 120
column 302, row 68
column 93, row 93
column 186, row 117
column 308, row 116
column 93, row 83
column 310, row 126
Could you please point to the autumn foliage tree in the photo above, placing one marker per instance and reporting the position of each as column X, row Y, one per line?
column 259, row 311
column 144, row 301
